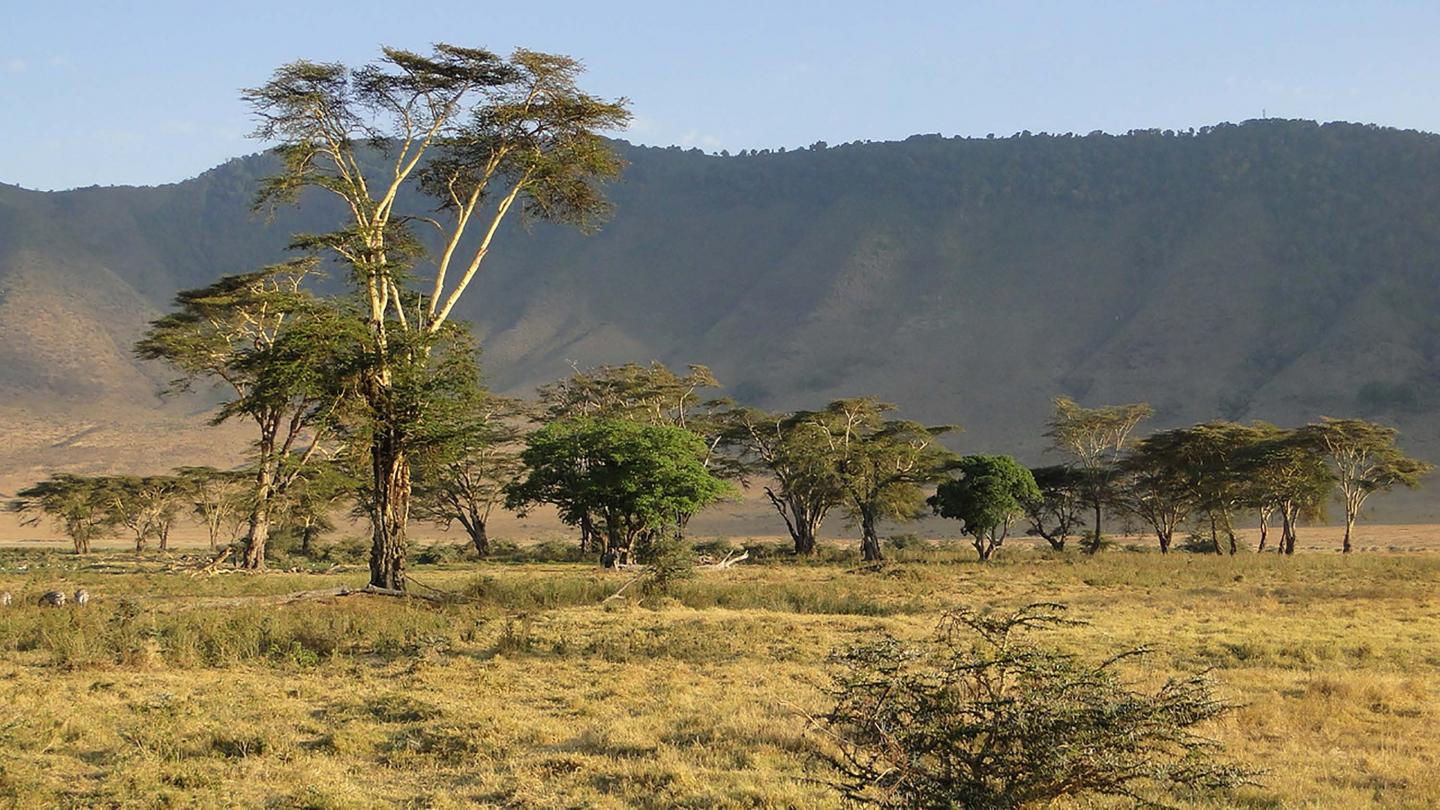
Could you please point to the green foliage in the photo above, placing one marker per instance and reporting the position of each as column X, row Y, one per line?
column 987, row 494
column 1055, row 514
column 76, row 503
column 881, row 464
column 1095, row 438
column 982, row 717
column 785, row 448
column 633, row 479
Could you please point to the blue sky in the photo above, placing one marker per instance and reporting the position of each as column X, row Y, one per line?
column 146, row 92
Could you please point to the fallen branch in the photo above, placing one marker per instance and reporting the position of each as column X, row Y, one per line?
column 727, row 562
column 633, row 580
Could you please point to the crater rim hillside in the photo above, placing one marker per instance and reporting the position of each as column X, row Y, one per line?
column 1274, row 269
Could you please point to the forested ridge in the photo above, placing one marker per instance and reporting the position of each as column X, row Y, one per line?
column 1278, row 270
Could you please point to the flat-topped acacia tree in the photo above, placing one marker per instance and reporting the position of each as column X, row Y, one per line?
column 1364, row 459
column 76, row 503
column 882, row 465
column 479, row 135
column 1095, row 439
column 280, row 351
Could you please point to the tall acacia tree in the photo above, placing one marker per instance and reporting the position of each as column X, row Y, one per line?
column 281, row 351
column 1365, row 460
column 481, row 136
column 1095, row 438
column 882, row 464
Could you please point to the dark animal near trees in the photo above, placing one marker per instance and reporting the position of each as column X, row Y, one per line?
column 53, row 599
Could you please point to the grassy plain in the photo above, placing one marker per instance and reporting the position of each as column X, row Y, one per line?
column 170, row 690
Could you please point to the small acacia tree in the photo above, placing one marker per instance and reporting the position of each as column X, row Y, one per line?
column 145, row 505
column 281, row 352
column 651, row 394
column 635, row 480
column 882, row 464
column 1163, row 479
column 1364, row 460
column 981, row 717
column 76, row 504
column 1288, row 469
column 314, row 495
column 1055, row 514
column 1095, row 438
column 465, row 479
column 987, row 494
column 796, row 458
column 217, row 497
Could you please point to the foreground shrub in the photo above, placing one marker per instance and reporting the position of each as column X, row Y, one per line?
column 669, row 561
column 982, row 718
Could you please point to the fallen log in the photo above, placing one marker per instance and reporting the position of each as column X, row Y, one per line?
column 727, row 562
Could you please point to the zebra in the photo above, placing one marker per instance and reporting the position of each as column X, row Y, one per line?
column 52, row 599
column 82, row 597
column 4, row 599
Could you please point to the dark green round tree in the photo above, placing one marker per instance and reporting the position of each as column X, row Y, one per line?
column 633, row 482
column 987, row 495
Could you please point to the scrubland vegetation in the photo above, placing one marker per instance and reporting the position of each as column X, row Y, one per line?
column 531, row 689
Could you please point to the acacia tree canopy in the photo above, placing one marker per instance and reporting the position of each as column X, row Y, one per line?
column 1095, row 438
column 482, row 135
column 1364, row 459
column 804, row 483
column 881, row 464
column 282, row 353
column 464, row 479
column 76, row 503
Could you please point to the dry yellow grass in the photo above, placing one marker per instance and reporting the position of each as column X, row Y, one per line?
column 533, row 694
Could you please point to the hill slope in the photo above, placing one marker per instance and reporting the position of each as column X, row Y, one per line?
column 1274, row 270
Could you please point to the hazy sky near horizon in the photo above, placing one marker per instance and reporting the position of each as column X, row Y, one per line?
column 147, row 91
